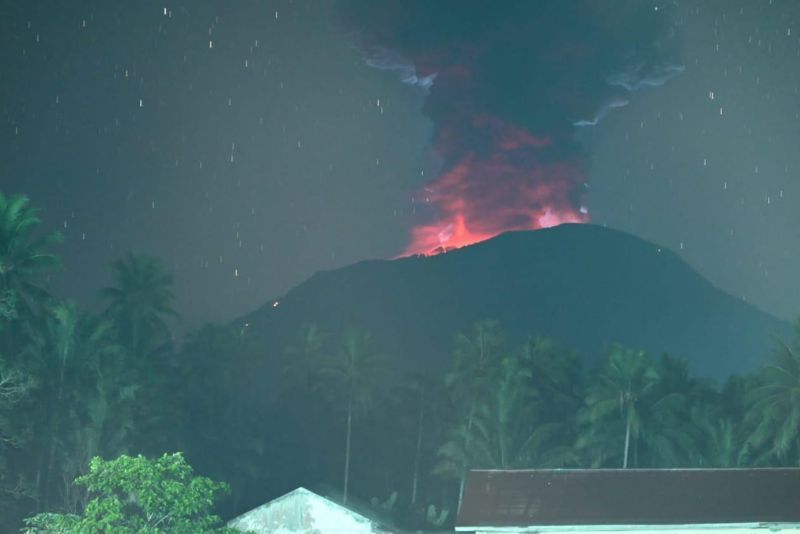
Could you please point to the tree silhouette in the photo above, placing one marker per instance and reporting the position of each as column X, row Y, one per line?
column 775, row 403
column 77, row 365
column 357, row 373
column 216, row 416
column 304, row 356
column 140, row 303
column 473, row 357
column 24, row 260
column 615, row 396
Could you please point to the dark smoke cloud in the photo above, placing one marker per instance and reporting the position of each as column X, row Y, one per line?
column 508, row 83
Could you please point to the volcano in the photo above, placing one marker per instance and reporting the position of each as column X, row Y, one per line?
column 586, row 286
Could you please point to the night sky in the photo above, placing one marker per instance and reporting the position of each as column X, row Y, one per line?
column 251, row 144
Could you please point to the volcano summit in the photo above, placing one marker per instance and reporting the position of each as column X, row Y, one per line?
column 584, row 285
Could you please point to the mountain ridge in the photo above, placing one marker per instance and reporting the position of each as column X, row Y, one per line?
column 584, row 285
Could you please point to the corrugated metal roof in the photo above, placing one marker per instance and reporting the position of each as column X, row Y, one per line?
column 630, row 497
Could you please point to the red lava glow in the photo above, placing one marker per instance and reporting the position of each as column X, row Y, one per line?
column 513, row 185
column 505, row 91
column 449, row 234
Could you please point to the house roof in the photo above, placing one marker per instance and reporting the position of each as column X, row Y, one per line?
column 302, row 510
column 599, row 497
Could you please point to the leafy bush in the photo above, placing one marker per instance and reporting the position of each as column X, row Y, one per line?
column 140, row 495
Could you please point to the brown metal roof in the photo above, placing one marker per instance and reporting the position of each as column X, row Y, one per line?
column 630, row 497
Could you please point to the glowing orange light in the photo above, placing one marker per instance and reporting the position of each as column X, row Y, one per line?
column 514, row 185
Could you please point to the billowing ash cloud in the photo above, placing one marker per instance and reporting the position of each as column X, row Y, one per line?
column 507, row 85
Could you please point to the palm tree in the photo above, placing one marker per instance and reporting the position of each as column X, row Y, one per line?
column 668, row 435
column 419, row 391
column 452, row 453
column 616, row 396
column 357, row 373
column 107, row 416
column 15, row 386
column 55, row 348
column 141, row 302
column 303, row 357
column 206, row 363
column 510, row 429
column 505, row 413
column 556, row 374
column 556, row 378
column 473, row 357
column 775, row 403
column 219, row 418
column 507, row 417
column 721, row 423
column 78, row 365
column 23, row 261
column 23, row 258
column 306, row 391
column 724, row 441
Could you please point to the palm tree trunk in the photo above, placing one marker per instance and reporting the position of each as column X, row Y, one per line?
column 53, row 425
column 466, row 453
column 501, row 438
column 419, row 446
column 627, row 442
column 347, row 446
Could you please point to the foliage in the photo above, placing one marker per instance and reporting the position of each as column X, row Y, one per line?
column 140, row 495
column 141, row 302
column 304, row 357
column 639, row 413
column 217, row 418
column 775, row 403
column 417, row 405
column 614, row 402
column 467, row 383
column 8, row 305
column 23, row 258
column 16, row 386
column 357, row 372
column 80, row 371
column 385, row 505
column 436, row 518
column 355, row 375
column 506, row 412
column 74, row 385
column 140, row 307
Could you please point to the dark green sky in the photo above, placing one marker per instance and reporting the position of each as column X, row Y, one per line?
column 709, row 165
column 249, row 145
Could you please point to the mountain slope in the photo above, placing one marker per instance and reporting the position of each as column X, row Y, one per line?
column 584, row 285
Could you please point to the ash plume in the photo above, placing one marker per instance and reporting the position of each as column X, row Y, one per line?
column 507, row 84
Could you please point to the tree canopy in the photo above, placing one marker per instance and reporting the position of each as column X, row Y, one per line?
column 142, row 496
column 325, row 407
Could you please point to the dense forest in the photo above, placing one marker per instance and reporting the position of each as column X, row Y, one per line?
column 335, row 413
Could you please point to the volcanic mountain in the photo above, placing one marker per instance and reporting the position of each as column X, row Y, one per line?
column 584, row 285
